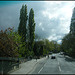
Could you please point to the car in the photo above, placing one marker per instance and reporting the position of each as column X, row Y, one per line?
column 53, row 56
column 61, row 53
column 50, row 52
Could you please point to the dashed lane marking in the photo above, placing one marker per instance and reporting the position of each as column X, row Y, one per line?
column 40, row 70
column 42, row 67
column 58, row 63
column 59, row 68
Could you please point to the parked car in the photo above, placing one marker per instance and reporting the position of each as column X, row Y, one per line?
column 53, row 56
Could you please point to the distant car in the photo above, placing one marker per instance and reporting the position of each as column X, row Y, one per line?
column 50, row 52
column 61, row 53
column 53, row 56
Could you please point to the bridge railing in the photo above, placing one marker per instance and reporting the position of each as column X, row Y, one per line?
column 7, row 64
column 10, row 63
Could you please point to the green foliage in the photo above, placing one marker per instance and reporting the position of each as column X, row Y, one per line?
column 68, row 45
column 38, row 48
column 23, row 22
column 51, row 46
column 31, row 53
column 27, row 32
column 22, row 50
column 7, row 44
column 45, row 46
column 45, row 52
column 20, row 45
column 31, row 29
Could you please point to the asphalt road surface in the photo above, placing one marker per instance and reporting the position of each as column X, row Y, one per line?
column 60, row 65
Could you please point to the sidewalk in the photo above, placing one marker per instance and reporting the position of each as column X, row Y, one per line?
column 26, row 67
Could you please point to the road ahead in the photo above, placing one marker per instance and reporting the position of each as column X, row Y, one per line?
column 60, row 65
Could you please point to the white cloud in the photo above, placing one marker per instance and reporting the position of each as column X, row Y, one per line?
column 59, row 41
column 52, row 18
column 43, row 29
column 55, row 37
column 40, row 24
column 53, row 30
column 46, row 13
column 52, row 37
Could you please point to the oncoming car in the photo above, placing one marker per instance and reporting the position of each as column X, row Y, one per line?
column 53, row 56
column 61, row 53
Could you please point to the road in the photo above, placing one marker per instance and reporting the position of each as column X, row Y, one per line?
column 60, row 65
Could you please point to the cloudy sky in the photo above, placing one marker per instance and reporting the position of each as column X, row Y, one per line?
column 52, row 18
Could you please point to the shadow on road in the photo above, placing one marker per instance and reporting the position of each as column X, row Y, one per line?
column 69, row 59
column 61, row 56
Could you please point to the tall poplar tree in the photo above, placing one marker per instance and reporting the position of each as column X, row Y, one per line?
column 31, row 28
column 23, row 22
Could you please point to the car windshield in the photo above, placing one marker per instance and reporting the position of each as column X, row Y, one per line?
column 53, row 54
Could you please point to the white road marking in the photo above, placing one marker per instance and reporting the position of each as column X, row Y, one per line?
column 44, row 64
column 40, row 70
column 58, row 63
column 59, row 68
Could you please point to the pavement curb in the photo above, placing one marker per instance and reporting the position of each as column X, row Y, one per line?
column 32, row 68
column 14, row 70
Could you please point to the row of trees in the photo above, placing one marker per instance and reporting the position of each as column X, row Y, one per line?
column 43, row 47
column 68, row 45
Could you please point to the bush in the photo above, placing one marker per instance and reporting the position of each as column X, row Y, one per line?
column 7, row 44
